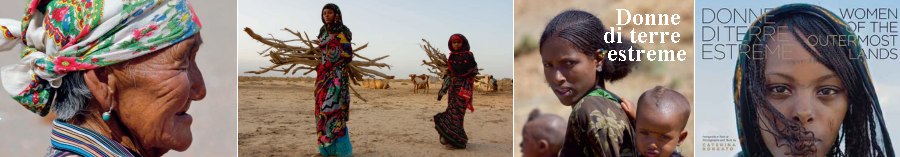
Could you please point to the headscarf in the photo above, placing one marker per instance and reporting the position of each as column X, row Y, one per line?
column 84, row 35
column 335, row 27
column 461, row 61
column 863, row 127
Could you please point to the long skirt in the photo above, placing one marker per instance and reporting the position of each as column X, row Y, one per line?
column 339, row 147
column 449, row 124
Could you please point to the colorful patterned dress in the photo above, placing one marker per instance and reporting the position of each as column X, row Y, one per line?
column 332, row 89
column 599, row 127
column 458, row 85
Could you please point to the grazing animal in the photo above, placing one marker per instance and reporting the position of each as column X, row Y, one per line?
column 419, row 82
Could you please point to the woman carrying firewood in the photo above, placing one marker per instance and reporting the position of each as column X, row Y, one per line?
column 458, row 84
column 332, row 85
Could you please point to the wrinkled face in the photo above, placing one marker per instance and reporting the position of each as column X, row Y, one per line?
column 457, row 44
column 328, row 15
column 154, row 92
column 803, row 90
column 569, row 72
column 657, row 133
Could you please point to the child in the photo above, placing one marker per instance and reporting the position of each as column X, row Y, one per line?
column 543, row 135
column 661, row 117
column 458, row 88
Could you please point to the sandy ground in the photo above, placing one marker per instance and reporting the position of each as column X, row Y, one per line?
column 214, row 129
column 276, row 119
column 532, row 91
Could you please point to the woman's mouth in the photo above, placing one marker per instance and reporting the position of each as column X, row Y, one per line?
column 565, row 92
column 184, row 118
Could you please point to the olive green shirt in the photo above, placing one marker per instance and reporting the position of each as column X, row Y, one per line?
column 599, row 127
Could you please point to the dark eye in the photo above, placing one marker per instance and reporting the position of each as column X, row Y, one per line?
column 665, row 137
column 570, row 63
column 548, row 65
column 779, row 90
column 644, row 133
column 827, row 91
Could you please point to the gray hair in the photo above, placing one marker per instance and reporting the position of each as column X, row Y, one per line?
column 71, row 98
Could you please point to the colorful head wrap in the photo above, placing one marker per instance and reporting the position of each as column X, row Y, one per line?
column 462, row 61
column 83, row 35
column 863, row 128
column 337, row 26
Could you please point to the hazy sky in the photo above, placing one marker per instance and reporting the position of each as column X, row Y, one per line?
column 392, row 28
column 714, row 99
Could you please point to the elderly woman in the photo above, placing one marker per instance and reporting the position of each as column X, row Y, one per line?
column 120, row 75
column 810, row 97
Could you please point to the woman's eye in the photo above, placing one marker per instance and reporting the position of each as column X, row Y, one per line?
column 644, row 133
column 570, row 63
column 780, row 90
column 827, row 91
column 548, row 65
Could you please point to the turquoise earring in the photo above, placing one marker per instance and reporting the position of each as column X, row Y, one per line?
column 106, row 114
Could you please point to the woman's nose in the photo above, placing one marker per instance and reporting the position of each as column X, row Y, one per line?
column 198, row 86
column 559, row 78
column 802, row 110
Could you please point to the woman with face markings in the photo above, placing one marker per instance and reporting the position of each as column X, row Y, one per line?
column 812, row 96
column 332, row 84
column 574, row 57
column 119, row 75
column 458, row 88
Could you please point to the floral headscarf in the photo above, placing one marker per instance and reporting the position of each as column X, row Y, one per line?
column 84, row 35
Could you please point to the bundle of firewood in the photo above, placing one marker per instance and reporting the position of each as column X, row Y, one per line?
column 438, row 64
column 307, row 56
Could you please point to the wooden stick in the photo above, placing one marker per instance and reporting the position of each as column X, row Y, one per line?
column 309, row 57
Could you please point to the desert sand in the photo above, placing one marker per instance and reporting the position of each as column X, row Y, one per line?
column 532, row 91
column 276, row 119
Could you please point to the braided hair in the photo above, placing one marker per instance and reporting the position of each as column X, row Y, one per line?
column 585, row 32
column 862, row 129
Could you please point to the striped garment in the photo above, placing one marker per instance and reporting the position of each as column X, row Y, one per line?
column 72, row 140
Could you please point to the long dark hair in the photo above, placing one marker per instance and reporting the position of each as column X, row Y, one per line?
column 585, row 32
column 862, row 130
